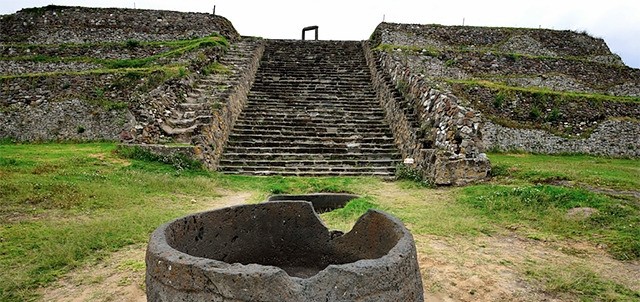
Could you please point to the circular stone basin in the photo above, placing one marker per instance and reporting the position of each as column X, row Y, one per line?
column 322, row 202
column 281, row 251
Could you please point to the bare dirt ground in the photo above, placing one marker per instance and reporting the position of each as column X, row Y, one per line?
column 483, row 268
column 120, row 277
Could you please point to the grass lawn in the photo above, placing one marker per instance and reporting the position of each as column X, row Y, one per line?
column 65, row 205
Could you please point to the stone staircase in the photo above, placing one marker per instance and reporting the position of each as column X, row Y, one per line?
column 208, row 92
column 312, row 111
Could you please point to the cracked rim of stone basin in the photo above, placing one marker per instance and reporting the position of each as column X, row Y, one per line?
column 322, row 202
column 281, row 251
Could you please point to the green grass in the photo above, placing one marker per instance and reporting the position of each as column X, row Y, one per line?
column 173, row 69
column 602, row 172
column 61, row 205
column 66, row 205
column 578, row 280
column 545, row 92
column 344, row 218
column 541, row 212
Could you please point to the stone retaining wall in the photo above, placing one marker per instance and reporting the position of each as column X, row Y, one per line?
column 212, row 139
column 114, row 51
column 405, row 136
column 526, row 41
column 66, row 120
column 448, row 147
column 611, row 138
column 464, row 60
column 59, row 24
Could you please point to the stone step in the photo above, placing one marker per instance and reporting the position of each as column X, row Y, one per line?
column 244, row 156
column 311, row 84
column 310, row 138
column 312, row 162
column 312, row 149
column 318, row 128
column 313, row 169
column 311, row 70
column 321, row 144
column 312, row 132
column 350, row 98
column 312, row 111
column 338, row 95
column 295, row 113
column 353, row 104
column 267, row 172
column 178, row 130
column 319, row 110
column 202, row 119
column 299, row 121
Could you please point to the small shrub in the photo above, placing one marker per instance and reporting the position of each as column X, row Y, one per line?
column 182, row 72
column 132, row 44
column 80, row 129
column 554, row 115
column 498, row 99
column 513, row 57
column 535, row 113
column 404, row 172
column 126, row 63
column 99, row 92
column 450, row 62
column 499, row 170
column 402, row 86
column 216, row 105
column 215, row 68
column 40, row 58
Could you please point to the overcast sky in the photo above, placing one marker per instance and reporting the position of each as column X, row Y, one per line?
column 617, row 21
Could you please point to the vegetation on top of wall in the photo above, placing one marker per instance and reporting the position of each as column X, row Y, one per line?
column 39, row 10
column 560, row 95
column 428, row 51
column 177, row 48
column 124, row 71
column 565, row 114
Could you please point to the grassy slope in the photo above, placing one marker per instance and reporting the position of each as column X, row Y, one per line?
column 62, row 205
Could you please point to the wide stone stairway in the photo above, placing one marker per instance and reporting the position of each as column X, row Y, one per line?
column 311, row 112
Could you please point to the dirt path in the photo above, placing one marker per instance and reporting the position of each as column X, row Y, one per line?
column 480, row 268
column 120, row 277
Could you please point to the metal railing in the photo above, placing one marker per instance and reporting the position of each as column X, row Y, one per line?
column 314, row 27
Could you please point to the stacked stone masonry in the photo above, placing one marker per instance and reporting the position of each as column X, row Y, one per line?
column 538, row 90
column 199, row 110
column 61, row 24
column 447, row 144
column 79, row 101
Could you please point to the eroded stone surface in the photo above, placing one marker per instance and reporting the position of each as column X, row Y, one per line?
column 281, row 251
